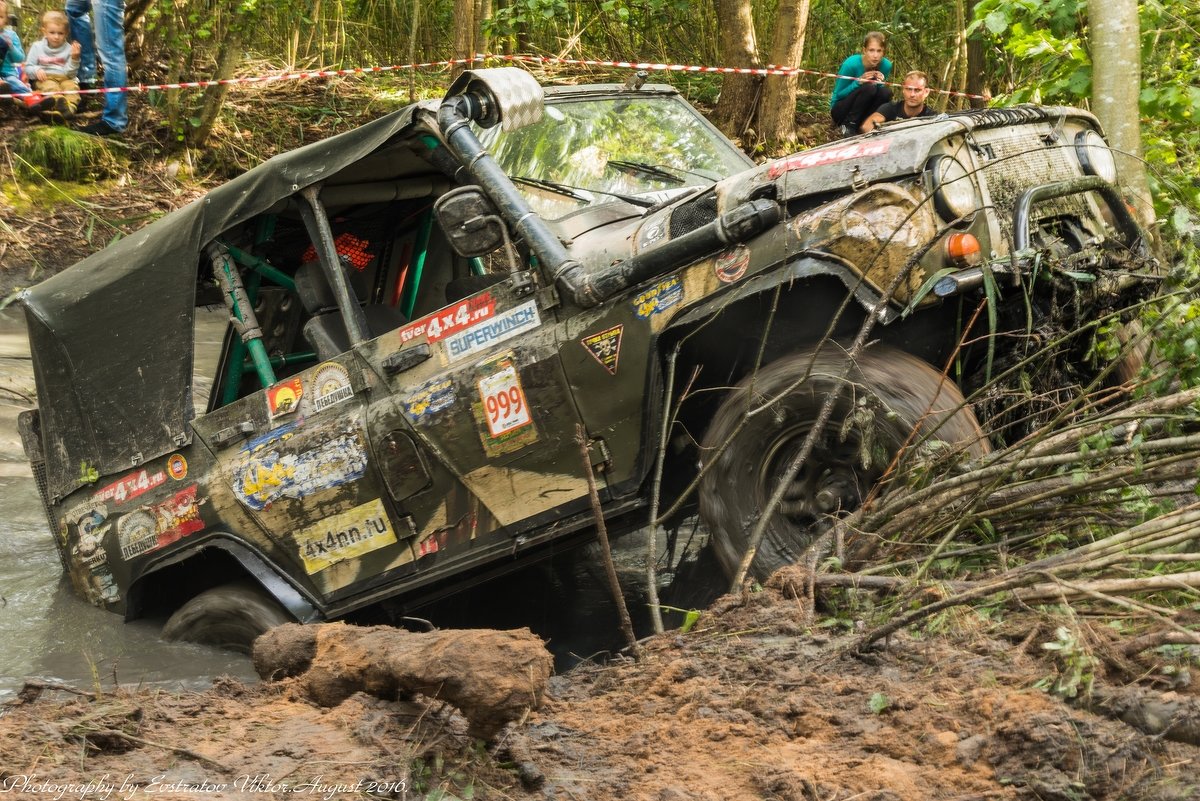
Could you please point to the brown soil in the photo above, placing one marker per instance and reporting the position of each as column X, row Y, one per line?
column 753, row 703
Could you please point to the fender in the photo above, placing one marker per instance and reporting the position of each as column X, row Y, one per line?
column 808, row 264
column 295, row 600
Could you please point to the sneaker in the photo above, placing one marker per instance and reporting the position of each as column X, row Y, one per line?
column 98, row 128
column 33, row 101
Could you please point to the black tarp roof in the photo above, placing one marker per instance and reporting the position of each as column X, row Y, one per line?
column 111, row 336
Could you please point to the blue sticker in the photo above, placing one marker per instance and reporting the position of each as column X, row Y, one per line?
column 269, row 474
column 659, row 297
column 430, row 398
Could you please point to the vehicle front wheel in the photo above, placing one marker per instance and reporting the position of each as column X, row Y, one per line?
column 230, row 616
column 766, row 419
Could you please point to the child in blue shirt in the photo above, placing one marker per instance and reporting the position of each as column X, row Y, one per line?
column 11, row 56
column 861, row 86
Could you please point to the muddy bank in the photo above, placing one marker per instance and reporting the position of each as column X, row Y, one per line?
column 755, row 702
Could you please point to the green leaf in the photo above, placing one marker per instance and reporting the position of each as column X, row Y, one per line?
column 996, row 22
column 879, row 703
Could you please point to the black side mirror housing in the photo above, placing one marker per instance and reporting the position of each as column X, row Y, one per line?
column 470, row 222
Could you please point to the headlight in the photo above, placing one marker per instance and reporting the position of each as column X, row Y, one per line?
column 954, row 194
column 1094, row 156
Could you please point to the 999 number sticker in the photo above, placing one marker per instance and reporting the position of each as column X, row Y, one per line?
column 504, row 403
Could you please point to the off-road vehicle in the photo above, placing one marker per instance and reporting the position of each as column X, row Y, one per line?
column 425, row 312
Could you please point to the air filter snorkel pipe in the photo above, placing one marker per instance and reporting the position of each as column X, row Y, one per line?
column 485, row 97
column 513, row 98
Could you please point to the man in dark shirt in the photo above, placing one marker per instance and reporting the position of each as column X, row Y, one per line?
column 916, row 89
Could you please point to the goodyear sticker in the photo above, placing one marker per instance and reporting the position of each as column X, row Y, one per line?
column 156, row 526
column 504, row 326
column 731, row 265
column 177, row 466
column 275, row 469
column 430, row 398
column 284, row 397
column 131, row 486
column 352, row 533
column 605, row 347
column 506, row 424
column 330, row 385
column 659, row 298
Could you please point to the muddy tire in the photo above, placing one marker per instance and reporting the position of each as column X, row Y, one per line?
column 230, row 616
column 886, row 394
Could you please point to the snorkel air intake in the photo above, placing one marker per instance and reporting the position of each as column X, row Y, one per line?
column 512, row 98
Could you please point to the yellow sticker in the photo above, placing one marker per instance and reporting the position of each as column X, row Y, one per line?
column 352, row 533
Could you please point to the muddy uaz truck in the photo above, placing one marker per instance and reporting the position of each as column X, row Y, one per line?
column 434, row 323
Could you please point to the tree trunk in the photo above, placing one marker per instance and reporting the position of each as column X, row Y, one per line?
column 464, row 34
column 777, row 110
column 228, row 58
column 739, row 48
column 1116, row 85
column 976, row 63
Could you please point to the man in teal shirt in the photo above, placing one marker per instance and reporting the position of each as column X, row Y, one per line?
column 861, row 86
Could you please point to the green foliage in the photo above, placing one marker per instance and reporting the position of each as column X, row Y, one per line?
column 879, row 703
column 1076, row 665
column 57, row 152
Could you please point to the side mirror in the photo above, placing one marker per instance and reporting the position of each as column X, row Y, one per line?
column 470, row 222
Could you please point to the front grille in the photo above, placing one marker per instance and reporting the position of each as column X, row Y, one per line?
column 1020, row 159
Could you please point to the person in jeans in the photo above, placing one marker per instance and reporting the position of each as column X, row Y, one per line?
column 99, row 27
column 861, row 86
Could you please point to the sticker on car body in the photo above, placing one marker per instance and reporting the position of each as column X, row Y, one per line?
column 817, row 158
column 350, row 534
column 658, row 298
column 131, row 486
column 177, row 467
column 502, row 409
column 441, row 324
column 731, row 265
column 430, row 398
column 284, row 397
column 275, row 469
column 484, row 335
column 605, row 347
column 330, row 386
column 155, row 526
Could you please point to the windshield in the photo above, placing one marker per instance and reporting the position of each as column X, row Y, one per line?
column 642, row 148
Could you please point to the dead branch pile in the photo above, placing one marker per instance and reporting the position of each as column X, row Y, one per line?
column 1098, row 514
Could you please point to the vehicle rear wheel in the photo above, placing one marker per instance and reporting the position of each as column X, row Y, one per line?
column 229, row 616
column 887, row 393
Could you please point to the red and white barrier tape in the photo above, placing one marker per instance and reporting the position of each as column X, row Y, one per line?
column 770, row 69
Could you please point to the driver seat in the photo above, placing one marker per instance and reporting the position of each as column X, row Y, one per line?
column 325, row 329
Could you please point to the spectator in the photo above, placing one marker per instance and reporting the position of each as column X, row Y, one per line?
column 101, row 35
column 11, row 56
column 916, row 89
column 861, row 86
column 52, row 64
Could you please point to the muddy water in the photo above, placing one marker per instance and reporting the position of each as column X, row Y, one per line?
column 46, row 632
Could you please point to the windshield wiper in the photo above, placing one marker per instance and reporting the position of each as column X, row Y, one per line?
column 641, row 167
column 576, row 192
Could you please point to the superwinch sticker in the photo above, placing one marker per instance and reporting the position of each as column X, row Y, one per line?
column 352, row 533
column 482, row 336
column 605, row 347
column 330, row 386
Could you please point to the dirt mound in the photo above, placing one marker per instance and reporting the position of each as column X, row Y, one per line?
column 749, row 704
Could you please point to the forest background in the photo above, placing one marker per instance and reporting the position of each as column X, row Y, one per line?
column 1009, row 50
